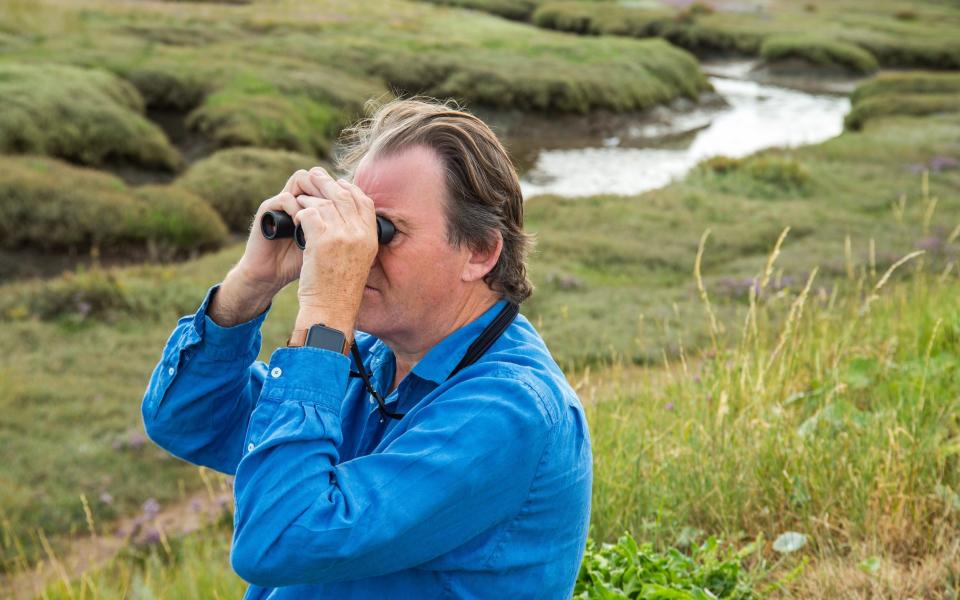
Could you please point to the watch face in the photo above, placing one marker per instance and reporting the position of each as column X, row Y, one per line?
column 321, row 336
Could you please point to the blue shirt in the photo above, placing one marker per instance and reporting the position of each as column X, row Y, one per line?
column 482, row 490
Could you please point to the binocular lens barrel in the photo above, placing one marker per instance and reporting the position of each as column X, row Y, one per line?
column 277, row 224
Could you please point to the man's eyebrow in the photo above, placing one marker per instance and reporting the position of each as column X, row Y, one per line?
column 394, row 218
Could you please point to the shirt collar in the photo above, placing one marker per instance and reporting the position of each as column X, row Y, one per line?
column 442, row 359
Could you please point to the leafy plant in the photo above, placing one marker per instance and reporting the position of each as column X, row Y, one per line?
column 629, row 570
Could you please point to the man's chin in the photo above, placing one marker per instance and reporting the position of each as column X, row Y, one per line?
column 368, row 318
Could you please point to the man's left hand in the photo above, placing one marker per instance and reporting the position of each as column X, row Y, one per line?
column 341, row 232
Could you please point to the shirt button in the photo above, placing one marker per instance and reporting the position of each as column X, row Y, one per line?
column 250, row 447
column 276, row 372
column 170, row 371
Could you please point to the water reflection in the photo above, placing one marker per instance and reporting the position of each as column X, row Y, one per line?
column 646, row 157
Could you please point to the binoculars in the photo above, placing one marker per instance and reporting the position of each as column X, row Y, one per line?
column 277, row 224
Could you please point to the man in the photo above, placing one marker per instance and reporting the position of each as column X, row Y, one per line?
column 434, row 469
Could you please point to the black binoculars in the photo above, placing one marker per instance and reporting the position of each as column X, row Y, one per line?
column 277, row 224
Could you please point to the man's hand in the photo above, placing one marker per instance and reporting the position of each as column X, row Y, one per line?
column 267, row 266
column 340, row 226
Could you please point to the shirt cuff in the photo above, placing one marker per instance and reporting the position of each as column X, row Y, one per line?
column 310, row 375
column 227, row 343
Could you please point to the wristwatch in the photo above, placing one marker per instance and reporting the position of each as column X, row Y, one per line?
column 319, row 336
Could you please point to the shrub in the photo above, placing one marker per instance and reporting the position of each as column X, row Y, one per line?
column 235, row 181
column 49, row 205
column 83, row 115
column 781, row 173
column 818, row 52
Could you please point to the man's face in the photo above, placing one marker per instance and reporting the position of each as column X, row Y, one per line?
column 415, row 280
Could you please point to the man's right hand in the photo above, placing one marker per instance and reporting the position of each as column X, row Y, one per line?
column 267, row 266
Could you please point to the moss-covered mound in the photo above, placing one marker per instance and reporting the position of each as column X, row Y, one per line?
column 86, row 116
column 235, row 181
column 518, row 10
column 682, row 28
column 922, row 37
column 818, row 52
column 49, row 205
column 906, row 94
column 290, row 79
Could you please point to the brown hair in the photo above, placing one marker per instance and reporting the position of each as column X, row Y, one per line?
column 483, row 191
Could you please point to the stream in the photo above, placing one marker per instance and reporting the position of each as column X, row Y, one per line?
column 650, row 154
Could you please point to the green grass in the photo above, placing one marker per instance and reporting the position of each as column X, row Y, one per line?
column 833, row 416
column 97, row 212
column 235, row 181
column 913, row 94
column 614, row 279
column 820, row 52
column 289, row 75
column 853, row 34
column 630, row 259
column 88, row 116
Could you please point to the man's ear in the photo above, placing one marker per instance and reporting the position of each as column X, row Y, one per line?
column 481, row 261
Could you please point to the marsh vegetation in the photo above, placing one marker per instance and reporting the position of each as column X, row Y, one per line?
column 793, row 371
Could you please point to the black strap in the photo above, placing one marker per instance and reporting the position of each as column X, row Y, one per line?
column 487, row 337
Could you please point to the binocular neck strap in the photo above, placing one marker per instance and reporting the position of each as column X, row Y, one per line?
column 480, row 345
column 488, row 336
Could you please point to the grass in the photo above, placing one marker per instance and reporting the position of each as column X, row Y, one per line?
column 850, row 34
column 87, row 116
column 828, row 417
column 904, row 94
column 236, row 180
column 616, row 270
column 614, row 288
column 97, row 212
column 290, row 75
column 819, row 51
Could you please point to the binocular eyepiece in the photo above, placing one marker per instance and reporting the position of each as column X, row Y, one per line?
column 277, row 224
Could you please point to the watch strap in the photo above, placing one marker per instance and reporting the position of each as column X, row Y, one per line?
column 319, row 336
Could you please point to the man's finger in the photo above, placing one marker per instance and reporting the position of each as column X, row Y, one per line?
column 363, row 202
column 329, row 188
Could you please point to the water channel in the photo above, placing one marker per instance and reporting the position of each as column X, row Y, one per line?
column 650, row 154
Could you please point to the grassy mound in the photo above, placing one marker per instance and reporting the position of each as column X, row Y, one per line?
column 913, row 83
column 818, row 52
column 906, row 94
column 235, row 181
column 291, row 79
column 518, row 10
column 682, row 28
column 83, row 115
column 846, row 30
column 48, row 205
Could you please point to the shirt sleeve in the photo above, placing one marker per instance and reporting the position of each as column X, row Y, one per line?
column 200, row 396
column 464, row 463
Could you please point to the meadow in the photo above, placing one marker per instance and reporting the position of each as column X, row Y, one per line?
column 766, row 347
